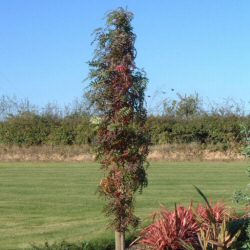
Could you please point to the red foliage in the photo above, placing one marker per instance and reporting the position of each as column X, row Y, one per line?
column 120, row 68
column 122, row 138
column 171, row 228
column 218, row 211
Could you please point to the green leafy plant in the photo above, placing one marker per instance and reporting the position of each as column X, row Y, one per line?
column 245, row 131
column 244, row 196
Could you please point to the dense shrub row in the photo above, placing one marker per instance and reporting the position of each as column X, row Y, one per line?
column 204, row 129
column 182, row 120
column 30, row 128
column 33, row 129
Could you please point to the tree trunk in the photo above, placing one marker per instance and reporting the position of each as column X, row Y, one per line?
column 119, row 240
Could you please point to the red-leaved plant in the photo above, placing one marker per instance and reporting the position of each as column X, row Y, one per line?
column 172, row 229
column 169, row 228
column 204, row 227
column 218, row 211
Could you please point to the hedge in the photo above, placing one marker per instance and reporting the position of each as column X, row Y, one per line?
column 30, row 128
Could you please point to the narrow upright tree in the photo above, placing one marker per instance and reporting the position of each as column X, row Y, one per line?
column 117, row 92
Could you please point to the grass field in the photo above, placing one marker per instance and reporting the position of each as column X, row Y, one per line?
column 57, row 201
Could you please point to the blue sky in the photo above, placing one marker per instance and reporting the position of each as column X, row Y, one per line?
column 191, row 46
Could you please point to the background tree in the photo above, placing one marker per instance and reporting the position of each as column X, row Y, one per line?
column 117, row 92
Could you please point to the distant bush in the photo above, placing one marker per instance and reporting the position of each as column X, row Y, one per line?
column 25, row 129
column 204, row 129
column 70, row 130
column 182, row 121
column 24, row 124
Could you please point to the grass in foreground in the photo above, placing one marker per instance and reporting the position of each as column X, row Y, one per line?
column 56, row 201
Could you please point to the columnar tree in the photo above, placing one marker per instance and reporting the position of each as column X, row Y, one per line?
column 117, row 92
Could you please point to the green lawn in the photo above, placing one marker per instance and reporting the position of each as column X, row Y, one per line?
column 57, row 201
